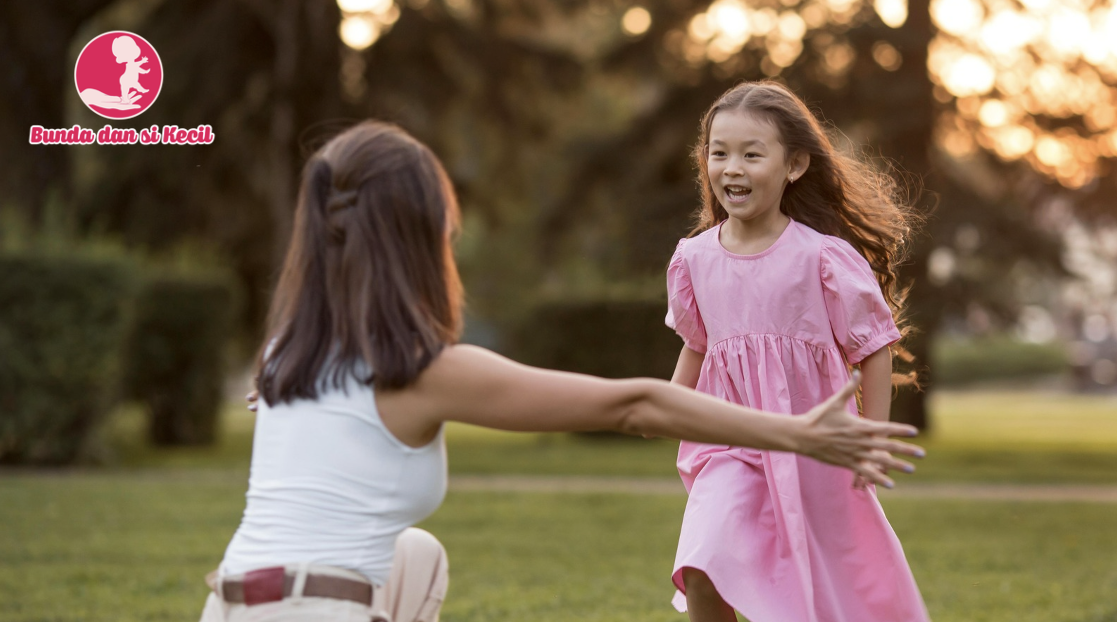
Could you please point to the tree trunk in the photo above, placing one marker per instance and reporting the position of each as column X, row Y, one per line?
column 34, row 51
column 904, row 105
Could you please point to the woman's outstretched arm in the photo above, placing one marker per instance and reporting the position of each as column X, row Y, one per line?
column 473, row 385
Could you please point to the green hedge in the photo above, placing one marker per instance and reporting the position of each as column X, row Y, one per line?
column 959, row 362
column 605, row 338
column 176, row 355
column 62, row 322
column 628, row 339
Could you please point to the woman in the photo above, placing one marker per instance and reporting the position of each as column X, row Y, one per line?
column 361, row 370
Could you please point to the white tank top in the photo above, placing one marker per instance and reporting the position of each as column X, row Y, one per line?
column 331, row 485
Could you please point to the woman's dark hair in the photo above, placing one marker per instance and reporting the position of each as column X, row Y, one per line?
column 369, row 275
column 838, row 195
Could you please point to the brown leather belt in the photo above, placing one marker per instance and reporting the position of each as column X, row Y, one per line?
column 272, row 584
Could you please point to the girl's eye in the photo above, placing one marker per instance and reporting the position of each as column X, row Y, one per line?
column 752, row 155
column 718, row 154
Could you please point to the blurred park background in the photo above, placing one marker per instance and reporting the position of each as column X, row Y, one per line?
column 134, row 279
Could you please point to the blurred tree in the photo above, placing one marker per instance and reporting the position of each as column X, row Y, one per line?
column 264, row 74
column 567, row 127
column 34, row 48
column 868, row 74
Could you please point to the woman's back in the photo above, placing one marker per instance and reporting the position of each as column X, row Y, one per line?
column 331, row 485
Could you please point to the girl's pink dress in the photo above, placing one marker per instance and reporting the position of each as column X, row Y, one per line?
column 784, row 538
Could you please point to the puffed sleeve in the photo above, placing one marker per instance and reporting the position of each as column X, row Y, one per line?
column 859, row 315
column 682, row 308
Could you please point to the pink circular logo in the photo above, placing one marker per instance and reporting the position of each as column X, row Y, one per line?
column 118, row 75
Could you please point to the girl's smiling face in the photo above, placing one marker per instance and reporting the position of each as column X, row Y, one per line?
column 748, row 165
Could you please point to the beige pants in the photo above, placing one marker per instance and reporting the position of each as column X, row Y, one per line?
column 414, row 592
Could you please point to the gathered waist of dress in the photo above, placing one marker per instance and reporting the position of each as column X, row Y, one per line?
column 728, row 341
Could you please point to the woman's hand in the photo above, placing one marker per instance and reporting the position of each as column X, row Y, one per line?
column 253, row 397
column 831, row 434
column 859, row 481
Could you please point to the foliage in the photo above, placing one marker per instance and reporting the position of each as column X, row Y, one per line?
column 60, row 334
column 612, row 339
column 35, row 43
column 567, row 137
column 176, row 355
column 965, row 361
column 179, row 303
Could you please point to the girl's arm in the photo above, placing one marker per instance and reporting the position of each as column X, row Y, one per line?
column 688, row 368
column 876, row 392
column 476, row 386
column 876, row 385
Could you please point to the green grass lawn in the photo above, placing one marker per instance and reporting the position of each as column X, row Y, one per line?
column 134, row 546
column 133, row 540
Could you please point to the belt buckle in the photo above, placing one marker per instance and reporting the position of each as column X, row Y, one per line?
column 264, row 585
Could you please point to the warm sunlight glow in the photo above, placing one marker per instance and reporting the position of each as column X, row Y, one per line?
column 365, row 21
column 957, row 17
column 838, row 58
column 892, row 12
column 1052, row 152
column 1034, row 81
column 1012, row 143
column 728, row 26
column 365, row 6
column 784, row 53
column 723, row 30
column 993, row 113
column 1008, row 32
column 958, row 144
column 730, row 18
column 636, row 21
column 969, row 74
column 1067, row 31
column 763, row 21
column 887, row 56
column 700, row 28
column 791, row 26
column 359, row 31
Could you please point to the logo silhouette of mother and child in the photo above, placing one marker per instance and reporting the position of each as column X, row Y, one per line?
column 126, row 50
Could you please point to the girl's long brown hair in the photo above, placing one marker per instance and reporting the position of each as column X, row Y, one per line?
column 369, row 275
column 838, row 195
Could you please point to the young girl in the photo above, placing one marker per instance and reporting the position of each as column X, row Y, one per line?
column 789, row 284
column 362, row 371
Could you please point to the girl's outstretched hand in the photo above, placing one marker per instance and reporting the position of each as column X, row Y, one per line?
column 253, row 399
column 835, row 436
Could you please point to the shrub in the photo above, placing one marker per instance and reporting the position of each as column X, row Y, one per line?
column 61, row 325
column 175, row 360
column 959, row 362
column 604, row 338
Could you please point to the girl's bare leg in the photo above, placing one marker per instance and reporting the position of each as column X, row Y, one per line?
column 703, row 602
